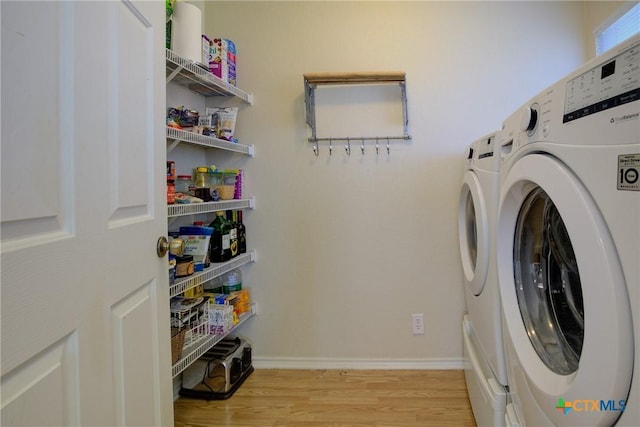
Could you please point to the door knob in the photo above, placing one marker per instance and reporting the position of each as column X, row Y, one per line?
column 175, row 247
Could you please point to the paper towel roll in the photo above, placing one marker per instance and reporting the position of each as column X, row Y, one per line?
column 186, row 31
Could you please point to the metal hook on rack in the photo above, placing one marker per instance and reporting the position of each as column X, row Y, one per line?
column 362, row 146
column 316, row 150
column 330, row 146
column 388, row 152
column 347, row 146
column 377, row 146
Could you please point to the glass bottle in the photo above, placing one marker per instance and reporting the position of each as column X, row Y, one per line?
column 202, row 190
column 242, row 235
column 233, row 234
column 220, row 243
column 201, row 177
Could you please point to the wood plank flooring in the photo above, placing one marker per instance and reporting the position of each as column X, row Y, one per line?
column 376, row 398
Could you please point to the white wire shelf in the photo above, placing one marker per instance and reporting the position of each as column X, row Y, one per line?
column 180, row 209
column 204, row 343
column 197, row 79
column 215, row 270
column 178, row 136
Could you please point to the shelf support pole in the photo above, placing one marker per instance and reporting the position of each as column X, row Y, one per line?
column 405, row 115
column 310, row 101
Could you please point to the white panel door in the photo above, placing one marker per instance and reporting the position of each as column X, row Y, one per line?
column 85, row 322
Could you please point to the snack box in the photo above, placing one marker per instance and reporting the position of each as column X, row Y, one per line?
column 216, row 298
column 195, row 292
column 206, row 50
column 231, row 62
column 218, row 62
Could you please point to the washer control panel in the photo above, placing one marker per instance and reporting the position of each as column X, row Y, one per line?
column 613, row 83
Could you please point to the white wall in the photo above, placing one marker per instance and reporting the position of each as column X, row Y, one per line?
column 350, row 247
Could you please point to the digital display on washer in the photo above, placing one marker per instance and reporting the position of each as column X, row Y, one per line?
column 608, row 69
column 606, row 86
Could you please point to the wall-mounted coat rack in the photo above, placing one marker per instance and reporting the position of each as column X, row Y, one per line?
column 312, row 80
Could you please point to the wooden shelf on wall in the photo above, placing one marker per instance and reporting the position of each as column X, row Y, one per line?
column 312, row 80
column 375, row 77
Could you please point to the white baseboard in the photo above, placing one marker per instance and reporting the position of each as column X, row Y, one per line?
column 435, row 364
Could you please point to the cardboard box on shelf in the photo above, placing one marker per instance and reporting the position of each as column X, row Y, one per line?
column 218, row 62
column 231, row 62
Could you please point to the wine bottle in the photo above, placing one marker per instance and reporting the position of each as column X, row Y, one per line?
column 220, row 244
column 242, row 235
column 233, row 234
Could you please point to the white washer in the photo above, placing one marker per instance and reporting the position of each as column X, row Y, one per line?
column 485, row 369
column 568, row 248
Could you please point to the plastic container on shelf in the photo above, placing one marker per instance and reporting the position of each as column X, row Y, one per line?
column 230, row 178
column 215, row 179
column 196, row 240
column 184, row 184
column 227, row 188
column 225, row 192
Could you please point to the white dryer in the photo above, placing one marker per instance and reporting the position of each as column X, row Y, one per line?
column 568, row 248
column 485, row 369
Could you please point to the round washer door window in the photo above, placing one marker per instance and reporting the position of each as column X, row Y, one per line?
column 547, row 282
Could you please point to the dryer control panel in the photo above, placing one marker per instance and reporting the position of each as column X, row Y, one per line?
column 613, row 83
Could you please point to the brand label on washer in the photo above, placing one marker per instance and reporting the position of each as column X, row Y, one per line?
column 629, row 172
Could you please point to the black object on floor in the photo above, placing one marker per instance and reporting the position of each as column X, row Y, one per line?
column 226, row 366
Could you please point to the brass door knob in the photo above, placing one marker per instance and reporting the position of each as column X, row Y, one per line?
column 175, row 247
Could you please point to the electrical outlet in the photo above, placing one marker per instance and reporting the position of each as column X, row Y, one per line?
column 417, row 324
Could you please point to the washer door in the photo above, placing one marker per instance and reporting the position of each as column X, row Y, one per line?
column 473, row 233
column 564, row 296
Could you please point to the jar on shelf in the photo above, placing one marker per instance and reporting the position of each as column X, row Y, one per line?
column 183, row 184
column 201, row 179
column 171, row 192
column 171, row 170
column 184, row 265
column 202, row 190
column 228, row 186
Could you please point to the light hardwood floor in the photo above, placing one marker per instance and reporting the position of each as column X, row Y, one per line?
column 390, row 398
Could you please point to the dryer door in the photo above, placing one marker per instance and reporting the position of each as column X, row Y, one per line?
column 564, row 296
column 473, row 233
